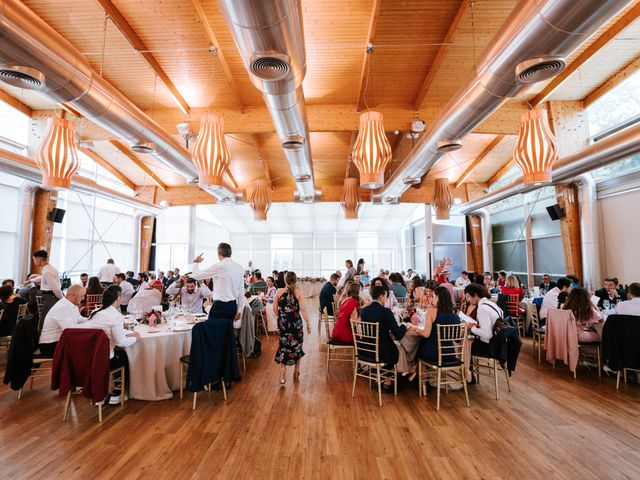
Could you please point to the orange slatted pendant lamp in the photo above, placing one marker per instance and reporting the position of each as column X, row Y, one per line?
column 210, row 152
column 57, row 156
column 536, row 150
column 260, row 202
column 442, row 199
column 350, row 199
column 371, row 150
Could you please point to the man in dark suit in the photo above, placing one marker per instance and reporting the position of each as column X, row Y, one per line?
column 376, row 312
column 610, row 292
column 326, row 294
column 547, row 284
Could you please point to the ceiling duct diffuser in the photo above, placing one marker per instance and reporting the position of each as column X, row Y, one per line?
column 149, row 148
column 539, row 69
column 22, row 77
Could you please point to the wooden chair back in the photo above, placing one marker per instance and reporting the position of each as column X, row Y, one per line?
column 451, row 343
column 513, row 304
column 366, row 341
column 533, row 314
column 93, row 301
column 259, row 290
column 22, row 311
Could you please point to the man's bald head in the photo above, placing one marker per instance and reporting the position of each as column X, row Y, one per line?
column 75, row 294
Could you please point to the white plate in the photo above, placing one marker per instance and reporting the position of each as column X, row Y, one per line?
column 154, row 330
column 181, row 328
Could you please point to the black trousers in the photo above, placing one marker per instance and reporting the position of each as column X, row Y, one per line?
column 478, row 347
column 48, row 349
column 120, row 360
column 48, row 301
column 223, row 310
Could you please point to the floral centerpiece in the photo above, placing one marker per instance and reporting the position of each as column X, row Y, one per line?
column 151, row 318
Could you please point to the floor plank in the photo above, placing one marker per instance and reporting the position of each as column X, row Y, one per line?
column 549, row 426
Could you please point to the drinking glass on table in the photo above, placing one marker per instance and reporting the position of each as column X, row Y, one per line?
column 606, row 304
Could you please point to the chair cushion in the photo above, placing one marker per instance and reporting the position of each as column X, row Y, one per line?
column 184, row 359
column 338, row 343
column 446, row 363
column 40, row 356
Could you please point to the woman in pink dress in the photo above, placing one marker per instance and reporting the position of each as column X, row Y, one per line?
column 586, row 314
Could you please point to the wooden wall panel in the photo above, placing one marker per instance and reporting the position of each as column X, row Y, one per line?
column 146, row 235
column 570, row 229
column 42, row 229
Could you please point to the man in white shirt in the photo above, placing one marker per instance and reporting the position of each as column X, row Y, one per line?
column 127, row 290
column 463, row 280
column 632, row 306
column 191, row 296
column 64, row 314
column 50, row 288
column 228, row 283
column 107, row 272
column 486, row 316
column 551, row 297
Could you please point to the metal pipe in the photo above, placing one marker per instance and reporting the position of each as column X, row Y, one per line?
column 270, row 37
column 538, row 33
column 589, row 231
column 616, row 147
column 485, row 227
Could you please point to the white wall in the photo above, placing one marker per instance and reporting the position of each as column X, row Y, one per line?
column 620, row 236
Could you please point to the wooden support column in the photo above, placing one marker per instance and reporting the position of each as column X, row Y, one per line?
column 474, row 224
column 42, row 230
column 570, row 229
column 146, row 235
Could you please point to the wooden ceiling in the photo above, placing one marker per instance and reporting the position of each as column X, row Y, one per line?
column 158, row 55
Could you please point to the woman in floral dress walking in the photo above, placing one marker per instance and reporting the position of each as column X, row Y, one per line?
column 290, row 308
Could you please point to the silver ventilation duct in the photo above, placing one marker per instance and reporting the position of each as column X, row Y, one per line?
column 34, row 56
column 529, row 47
column 270, row 38
column 611, row 149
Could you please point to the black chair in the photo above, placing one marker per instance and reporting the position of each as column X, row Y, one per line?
column 620, row 340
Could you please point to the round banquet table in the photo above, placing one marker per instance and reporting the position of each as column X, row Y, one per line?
column 154, row 363
column 310, row 288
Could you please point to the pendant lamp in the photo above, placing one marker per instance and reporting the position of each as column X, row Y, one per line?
column 371, row 151
column 210, row 152
column 442, row 199
column 260, row 202
column 536, row 150
column 57, row 156
column 350, row 200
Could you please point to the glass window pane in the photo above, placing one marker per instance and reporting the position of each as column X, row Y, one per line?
column 456, row 252
column 548, row 256
column 448, row 233
column 541, row 224
column 420, row 259
column 510, row 256
column 419, row 233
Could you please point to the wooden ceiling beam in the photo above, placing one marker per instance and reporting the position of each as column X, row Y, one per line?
column 501, row 172
column 231, row 178
column 107, row 166
column 137, row 43
column 15, row 103
column 439, row 58
column 219, row 54
column 487, row 150
column 611, row 32
column 364, row 74
column 615, row 80
column 139, row 163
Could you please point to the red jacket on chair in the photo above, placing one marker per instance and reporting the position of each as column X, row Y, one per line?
column 81, row 359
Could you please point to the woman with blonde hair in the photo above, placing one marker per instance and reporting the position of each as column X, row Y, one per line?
column 289, row 305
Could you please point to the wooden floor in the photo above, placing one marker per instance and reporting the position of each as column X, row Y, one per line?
column 550, row 426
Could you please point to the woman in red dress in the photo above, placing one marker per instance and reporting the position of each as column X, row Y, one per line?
column 349, row 308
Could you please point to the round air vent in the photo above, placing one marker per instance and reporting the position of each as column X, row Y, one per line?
column 449, row 145
column 539, row 69
column 22, row 77
column 144, row 147
column 293, row 143
column 411, row 181
column 303, row 178
column 270, row 67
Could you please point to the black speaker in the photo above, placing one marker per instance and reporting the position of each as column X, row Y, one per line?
column 56, row 215
column 555, row 212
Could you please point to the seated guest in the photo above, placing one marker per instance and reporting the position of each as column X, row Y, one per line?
column 110, row 320
column 488, row 282
column 398, row 286
column 143, row 279
column 169, row 279
column 356, row 279
column 585, row 313
column 364, row 277
column 84, row 279
column 191, row 296
column 127, row 291
column 410, row 275
column 161, row 278
column 502, row 278
column 94, row 287
column 376, row 312
column 416, row 289
column 145, row 299
column 64, row 314
column 631, row 306
column 463, row 279
column 392, row 302
column 9, row 282
column 9, row 304
column 486, row 314
column 153, row 280
column 610, row 293
column 546, row 284
column 551, row 298
column 443, row 314
column 575, row 281
column 349, row 309
column 562, row 297
column 428, row 299
column 132, row 280
column 258, row 283
column 512, row 287
column 327, row 292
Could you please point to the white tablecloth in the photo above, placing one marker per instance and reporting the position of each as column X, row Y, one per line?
column 309, row 288
column 154, row 363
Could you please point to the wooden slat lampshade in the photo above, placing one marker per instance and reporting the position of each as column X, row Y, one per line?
column 536, row 150
column 57, row 155
column 210, row 152
column 371, row 150
column 350, row 199
column 442, row 199
column 260, row 202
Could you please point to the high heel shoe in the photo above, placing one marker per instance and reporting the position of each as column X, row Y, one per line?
column 283, row 378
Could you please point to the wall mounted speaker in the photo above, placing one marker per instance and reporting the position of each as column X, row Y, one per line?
column 555, row 212
column 56, row 215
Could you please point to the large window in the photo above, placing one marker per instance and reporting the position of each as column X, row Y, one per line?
column 172, row 239
column 450, row 242
column 14, row 128
column 10, row 225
